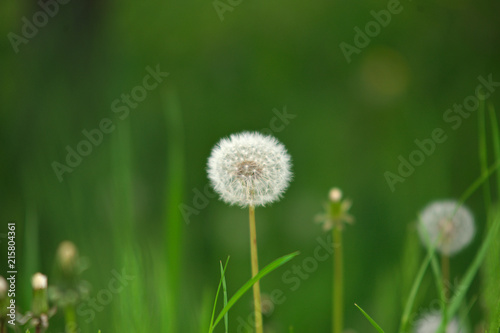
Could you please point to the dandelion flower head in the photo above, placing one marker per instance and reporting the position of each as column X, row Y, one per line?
column 448, row 228
column 249, row 169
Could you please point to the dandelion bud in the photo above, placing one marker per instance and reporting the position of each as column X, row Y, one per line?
column 39, row 304
column 3, row 288
column 4, row 300
column 249, row 169
column 430, row 322
column 39, row 281
column 447, row 228
column 335, row 194
column 67, row 257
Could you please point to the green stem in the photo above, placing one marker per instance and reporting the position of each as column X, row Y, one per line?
column 255, row 271
column 445, row 271
column 337, row 279
column 70, row 319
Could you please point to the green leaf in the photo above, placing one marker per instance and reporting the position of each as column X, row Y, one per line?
column 474, row 186
column 496, row 138
column 473, row 268
column 374, row 324
column 226, row 316
column 266, row 270
column 212, row 325
column 436, row 269
column 414, row 289
column 483, row 155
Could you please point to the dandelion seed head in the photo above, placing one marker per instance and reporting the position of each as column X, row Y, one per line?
column 249, row 169
column 448, row 228
column 430, row 322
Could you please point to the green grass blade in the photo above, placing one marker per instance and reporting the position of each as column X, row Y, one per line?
column 471, row 189
column 224, row 288
column 266, row 270
column 496, row 139
column 174, row 224
column 211, row 327
column 483, row 154
column 374, row 324
column 414, row 289
column 436, row 270
column 473, row 268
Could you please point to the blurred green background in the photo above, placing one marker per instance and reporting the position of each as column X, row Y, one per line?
column 120, row 205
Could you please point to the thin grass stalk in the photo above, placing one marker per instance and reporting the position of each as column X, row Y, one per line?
column 338, row 277
column 445, row 271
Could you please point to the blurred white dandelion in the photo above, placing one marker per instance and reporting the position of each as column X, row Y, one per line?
column 249, row 169
column 3, row 287
column 430, row 322
column 445, row 226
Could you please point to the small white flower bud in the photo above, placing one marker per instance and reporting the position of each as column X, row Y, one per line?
column 67, row 255
column 3, row 287
column 335, row 194
column 39, row 281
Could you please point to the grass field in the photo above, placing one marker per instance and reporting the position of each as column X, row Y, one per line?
column 110, row 111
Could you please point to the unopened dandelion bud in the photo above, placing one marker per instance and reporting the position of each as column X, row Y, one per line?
column 335, row 194
column 39, row 281
column 40, row 303
column 249, row 169
column 67, row 256
column 447, row 226
column 4, row 299
column 3, row 288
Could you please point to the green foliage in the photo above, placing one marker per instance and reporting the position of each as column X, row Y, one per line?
column 243, row 289
column 374, row 324
column 120, row 204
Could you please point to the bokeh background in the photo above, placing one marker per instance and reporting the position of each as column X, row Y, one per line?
column 351, row 121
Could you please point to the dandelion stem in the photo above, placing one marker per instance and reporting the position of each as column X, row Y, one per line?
column 255, row 271
column 445, row 271
column 337, row 279
column 70, row 319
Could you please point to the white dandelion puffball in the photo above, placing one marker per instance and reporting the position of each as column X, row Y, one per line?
column 446, row 227
column 249, row 169
column 430, row 322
